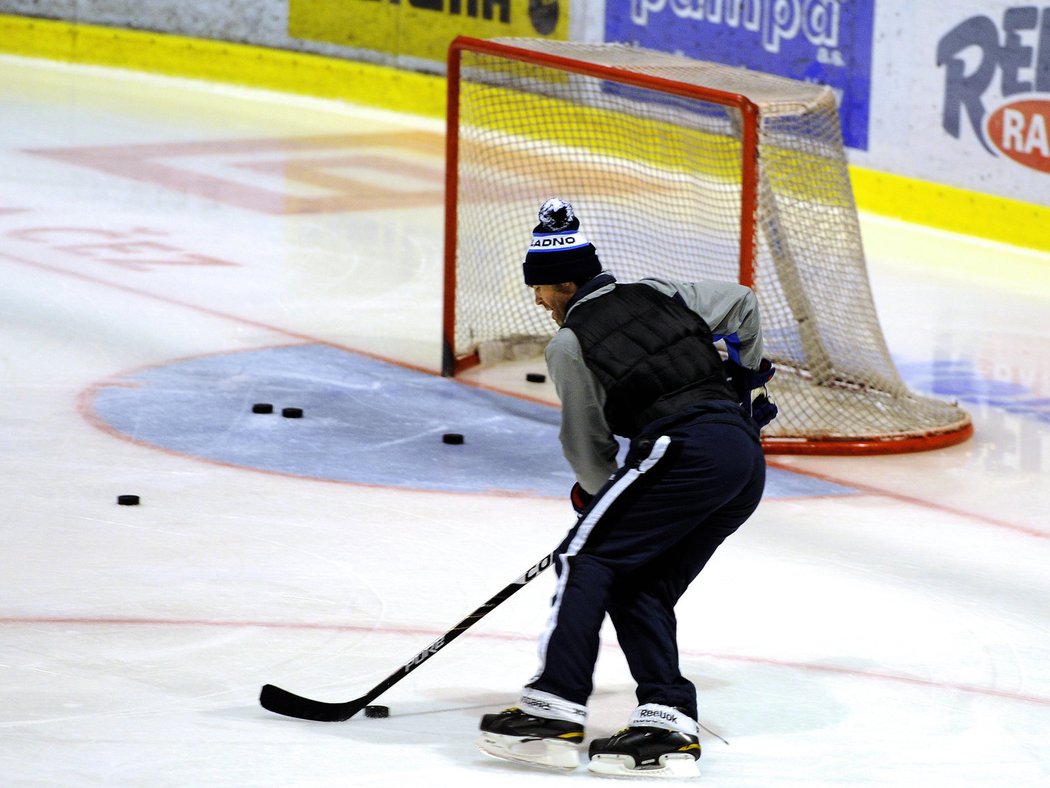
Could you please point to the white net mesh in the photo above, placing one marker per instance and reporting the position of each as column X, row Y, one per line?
column 656, row 176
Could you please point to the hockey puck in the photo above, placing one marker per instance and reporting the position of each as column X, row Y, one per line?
column 262, row 407
column 377, row 712
column 453, row 438
column 292, row 413
column 128, row 500
column 536, row 377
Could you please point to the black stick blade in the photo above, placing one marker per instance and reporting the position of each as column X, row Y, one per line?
column 289, row 704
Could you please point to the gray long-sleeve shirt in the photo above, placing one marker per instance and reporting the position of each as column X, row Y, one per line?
column 731, row 311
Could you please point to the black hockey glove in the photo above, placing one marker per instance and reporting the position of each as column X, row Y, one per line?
column 742, row 380
column 763, row 410
column 580, row 498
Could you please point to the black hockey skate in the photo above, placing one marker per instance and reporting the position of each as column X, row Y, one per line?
column 517, row 736
column 646, row 752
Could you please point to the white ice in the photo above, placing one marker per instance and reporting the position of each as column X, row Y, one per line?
column 898, row 635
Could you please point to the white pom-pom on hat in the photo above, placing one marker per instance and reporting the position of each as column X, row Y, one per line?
column 556, row 214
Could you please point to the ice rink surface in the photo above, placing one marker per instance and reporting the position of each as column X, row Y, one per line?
column 173, row 252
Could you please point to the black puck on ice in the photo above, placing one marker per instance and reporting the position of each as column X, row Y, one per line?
column 535, row 377
column 452, row 437
column 377, row 712
column 292, row 413
column 262, row 407
column 128, row 500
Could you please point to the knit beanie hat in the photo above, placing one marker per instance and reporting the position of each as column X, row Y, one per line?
column 559, row 252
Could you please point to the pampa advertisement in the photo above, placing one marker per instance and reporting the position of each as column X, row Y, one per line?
column 824, row 41
column 954, row 93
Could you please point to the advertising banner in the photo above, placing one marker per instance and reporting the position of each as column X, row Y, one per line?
column 996, row 84
column 824, row 41
column 962, row 98
column 423, row 28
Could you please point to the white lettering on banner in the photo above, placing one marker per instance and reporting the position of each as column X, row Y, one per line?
column 640, row 10
column 735, row 16
column 1019, row 129
column 822, row 22
column 775, row 20
column 1021, row 139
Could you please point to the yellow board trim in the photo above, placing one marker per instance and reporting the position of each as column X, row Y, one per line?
column 919, row 202
column 241, row 64
column 953, row 209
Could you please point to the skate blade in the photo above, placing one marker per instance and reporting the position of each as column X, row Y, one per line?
column 544, row 753
column 672, row 765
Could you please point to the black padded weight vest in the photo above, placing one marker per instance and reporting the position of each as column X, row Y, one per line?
column 652, row 354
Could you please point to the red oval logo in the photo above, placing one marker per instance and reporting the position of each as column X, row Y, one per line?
column 1021, row 130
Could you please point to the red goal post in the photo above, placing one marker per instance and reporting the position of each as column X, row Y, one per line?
column 687, row 170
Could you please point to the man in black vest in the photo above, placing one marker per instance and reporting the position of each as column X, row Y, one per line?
column 639, row 361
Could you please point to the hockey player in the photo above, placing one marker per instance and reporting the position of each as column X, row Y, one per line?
column 635, row 360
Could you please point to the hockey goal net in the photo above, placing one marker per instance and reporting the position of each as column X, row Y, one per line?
column 682, row 169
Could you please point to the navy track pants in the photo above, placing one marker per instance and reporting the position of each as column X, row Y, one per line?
column 685, row 486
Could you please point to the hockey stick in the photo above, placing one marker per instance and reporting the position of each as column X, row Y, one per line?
column 289, row 704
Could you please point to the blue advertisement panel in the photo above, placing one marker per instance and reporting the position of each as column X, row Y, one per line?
column 823, row 41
